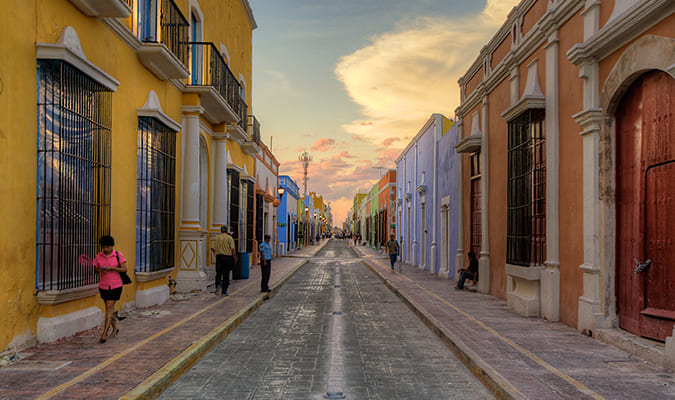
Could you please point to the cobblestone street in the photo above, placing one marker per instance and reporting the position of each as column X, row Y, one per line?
column 333, row 328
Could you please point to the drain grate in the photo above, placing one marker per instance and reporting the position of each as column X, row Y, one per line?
column 337, row 312
column 337, row 286
column 334, row 395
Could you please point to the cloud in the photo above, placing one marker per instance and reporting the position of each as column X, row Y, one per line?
column 405, row 75
column 323, row 144
column 389, row 141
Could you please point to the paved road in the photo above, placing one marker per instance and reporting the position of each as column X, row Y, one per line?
column 333, row 329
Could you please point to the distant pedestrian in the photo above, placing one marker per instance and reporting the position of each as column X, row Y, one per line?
column 109, row 263
column 265, row 264
column 393, row 249
column 226, row 257
column 468, row 273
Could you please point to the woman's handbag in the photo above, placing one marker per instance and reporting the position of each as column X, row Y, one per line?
column 125, row 278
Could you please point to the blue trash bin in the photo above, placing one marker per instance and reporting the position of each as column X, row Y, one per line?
column 245, row 265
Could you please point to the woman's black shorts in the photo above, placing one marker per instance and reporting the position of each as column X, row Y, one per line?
column 111, row 294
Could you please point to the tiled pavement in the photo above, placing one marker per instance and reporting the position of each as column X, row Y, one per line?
column 154, row 345
column 518, row 357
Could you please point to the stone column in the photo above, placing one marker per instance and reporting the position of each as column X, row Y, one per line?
column 550, row 276
column 190, row 234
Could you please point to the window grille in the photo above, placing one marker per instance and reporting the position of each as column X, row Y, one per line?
column 476, row 227
column 155, row 196
column 259, row 203
column 73, row 174
column 234, row 205
column 250, row 195
column 526, row 231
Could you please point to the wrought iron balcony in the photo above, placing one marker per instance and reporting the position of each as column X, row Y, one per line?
column 104, row 8
column 253, row 130
column 252, row 144
column 239, row 130
column 165, row 42
column 216, row 85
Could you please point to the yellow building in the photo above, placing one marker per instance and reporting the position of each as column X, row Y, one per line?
column 127, row 117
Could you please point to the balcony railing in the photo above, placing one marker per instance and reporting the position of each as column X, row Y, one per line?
column 209, row 69
column 173, row 28
column 253, row 130
column 241, row 108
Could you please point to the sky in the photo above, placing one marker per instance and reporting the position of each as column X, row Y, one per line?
column 353, row 81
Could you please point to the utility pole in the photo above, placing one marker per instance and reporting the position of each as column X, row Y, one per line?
column 305, row 158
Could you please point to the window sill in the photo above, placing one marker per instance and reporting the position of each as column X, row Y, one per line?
column 152, row 276
column 52, row 297
column 532, row 273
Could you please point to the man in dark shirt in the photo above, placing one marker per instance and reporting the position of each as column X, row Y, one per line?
column 468, row 273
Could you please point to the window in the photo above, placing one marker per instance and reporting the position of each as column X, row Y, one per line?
column 526, row 231
column 233, row 179
column 73, row 174
column 250, row 196
column 475, row 204
column 155, row 196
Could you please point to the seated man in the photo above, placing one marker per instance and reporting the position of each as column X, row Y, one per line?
column 468, row 273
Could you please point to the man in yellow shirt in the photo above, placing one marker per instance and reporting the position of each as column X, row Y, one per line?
column 226, row 257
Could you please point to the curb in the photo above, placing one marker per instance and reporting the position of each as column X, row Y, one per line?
column 490, row 378
column 153, row 386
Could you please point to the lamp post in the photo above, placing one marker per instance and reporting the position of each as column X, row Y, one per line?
column 306, row 226
column 280, row 191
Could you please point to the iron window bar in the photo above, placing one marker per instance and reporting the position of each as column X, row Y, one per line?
column 526, row 215
column 73, row 174
column 234, row 205
column 156, row 194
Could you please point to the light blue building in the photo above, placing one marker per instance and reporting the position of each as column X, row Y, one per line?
column 426, row 174
column 288, row 215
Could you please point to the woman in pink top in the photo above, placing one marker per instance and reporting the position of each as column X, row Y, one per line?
column 109, row 263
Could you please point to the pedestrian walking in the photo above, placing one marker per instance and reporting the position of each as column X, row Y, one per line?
column 109, row 263
column 393, row 249
column 226, row 257
column 468, row 273
column 265, row 264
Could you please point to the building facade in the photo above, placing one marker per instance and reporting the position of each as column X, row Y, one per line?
column 100, row 143
column 419, row 206
column 266, row 200
column 288, row 211
column 566, row 137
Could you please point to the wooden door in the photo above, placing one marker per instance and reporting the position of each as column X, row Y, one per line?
column 646, row 206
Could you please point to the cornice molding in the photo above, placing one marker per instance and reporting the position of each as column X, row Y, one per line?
column 524, row 47
column 249, row 14
column 589, row 120
column 469, row 144
column 524, row 104
column 620, row 30
column 69, row 49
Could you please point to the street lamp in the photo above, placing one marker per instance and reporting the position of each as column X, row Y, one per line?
column 281, row 192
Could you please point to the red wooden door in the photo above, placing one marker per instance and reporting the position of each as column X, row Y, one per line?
column 646, row 206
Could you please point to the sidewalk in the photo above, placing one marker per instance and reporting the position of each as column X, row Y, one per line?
column 518, row 357
column 154, row 346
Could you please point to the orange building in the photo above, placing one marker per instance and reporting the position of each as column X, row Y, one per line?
column 386, row 207
column 566, row 124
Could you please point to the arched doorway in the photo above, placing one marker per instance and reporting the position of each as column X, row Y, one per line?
column 645, row 206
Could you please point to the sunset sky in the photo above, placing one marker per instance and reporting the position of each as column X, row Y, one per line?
column 352, row 81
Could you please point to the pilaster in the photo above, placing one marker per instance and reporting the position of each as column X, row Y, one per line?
column 550, row 276
column 459, row 256
column 484, row 260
